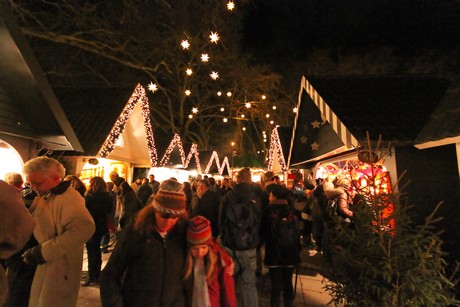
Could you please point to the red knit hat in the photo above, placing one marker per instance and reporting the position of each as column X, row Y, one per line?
column 199, row 231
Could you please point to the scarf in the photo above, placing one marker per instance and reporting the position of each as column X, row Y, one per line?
column 200, row 286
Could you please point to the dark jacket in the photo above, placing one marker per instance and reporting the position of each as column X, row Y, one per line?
column 99, row 206
column 274, row 254
column 131, row 204
column 240, row 193
column 146, row 270
column 208, row 206
column 144, row 192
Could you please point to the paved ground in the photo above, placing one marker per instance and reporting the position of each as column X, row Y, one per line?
column 309, row 291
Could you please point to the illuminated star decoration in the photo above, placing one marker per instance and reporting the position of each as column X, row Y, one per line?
column 194, row 110
column 294, row 110
column 189, row 71
column 152, row 87
column 185, row 44
column 214, row 75
column 188, row 92
column 214, row 37
column 230, row 5
column 205, row 57
column 314, row 146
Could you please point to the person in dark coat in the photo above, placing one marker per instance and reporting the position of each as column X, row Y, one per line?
column 208, row 205
column 144, row 192
column 279, row 259
column 131, row 204
column 147, row 265
column 99, row 204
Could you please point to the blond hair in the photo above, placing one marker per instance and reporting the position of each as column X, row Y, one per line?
column 210, row 261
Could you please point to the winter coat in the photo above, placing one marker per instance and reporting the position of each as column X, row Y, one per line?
column 275, row 255
column 63, row 226
column 208, row 206
column 221, row 286
column 344, row 201
column 240, row 193
column 146, row 270
column 131, row 204
column 144, row 192
column 99, row 206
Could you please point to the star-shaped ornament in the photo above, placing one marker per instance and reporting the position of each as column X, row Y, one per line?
column 314, row 146
column 204, row 57
column 214, row 37
column 214, row 75
column 185, row 44
column 152, row 87
column 315, row 124
column 303, row 139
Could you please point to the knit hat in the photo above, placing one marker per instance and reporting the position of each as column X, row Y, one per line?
column 170, row 198
column 199, row 231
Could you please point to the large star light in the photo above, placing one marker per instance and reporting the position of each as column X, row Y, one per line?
column 214, row 37
column 185, row 44
column 230, row 5
column 204, row 57
column 214, row 75
column 194, row 110
column 153, row 87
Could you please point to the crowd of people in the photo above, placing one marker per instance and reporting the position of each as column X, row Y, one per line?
column 198, row 243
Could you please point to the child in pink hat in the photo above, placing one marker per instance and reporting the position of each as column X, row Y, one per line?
column 208, row 269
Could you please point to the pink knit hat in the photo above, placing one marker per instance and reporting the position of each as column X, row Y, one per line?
column 199, row 231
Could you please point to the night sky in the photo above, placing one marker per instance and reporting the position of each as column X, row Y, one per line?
column 294, row 28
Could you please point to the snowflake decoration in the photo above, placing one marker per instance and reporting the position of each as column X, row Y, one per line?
column 152, row 87
column 214, row 37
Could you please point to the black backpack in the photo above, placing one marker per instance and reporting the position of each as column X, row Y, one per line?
column 241, row 225
column 285, row 230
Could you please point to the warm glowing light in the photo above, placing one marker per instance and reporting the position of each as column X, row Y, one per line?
column 233, row 143
column 242, row 116
column 264, row 97
column 205, row 57
column 152, row 87
column 219, row 93
column 214, row 37
column 188, row 92
column 248, row 105
column 229, row 94
column 274, row 107
column 267, row 115
column 190, row 116
column 230, row 5
column 214, row 75
column 294, row 110
column 185, row 44
column 272, row 122
column 222, row 109
column 225, row 119
column 244, row 128
column 194, row 110
column 275, row 146
column 189, row 71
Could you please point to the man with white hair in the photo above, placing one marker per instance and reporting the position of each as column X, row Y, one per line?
column 63, row 226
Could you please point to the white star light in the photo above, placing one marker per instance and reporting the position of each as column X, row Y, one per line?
column 194, row 110
column 225, row 120
column 205, row 57
column 222, row 109
column 294, row 110
column 314, row 146
column 230, row 5
column 185, row 44
column 188, row 92
column 190, row 116
column 153, row 87
column 264, row 97
column 248, row 105
column 229, row 94
column 189, row 71
column 214, row 37
column 214, row 75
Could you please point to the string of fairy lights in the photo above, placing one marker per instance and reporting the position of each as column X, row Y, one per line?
column 139, row 96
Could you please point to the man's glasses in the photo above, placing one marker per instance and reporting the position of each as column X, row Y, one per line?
column 37, row 185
